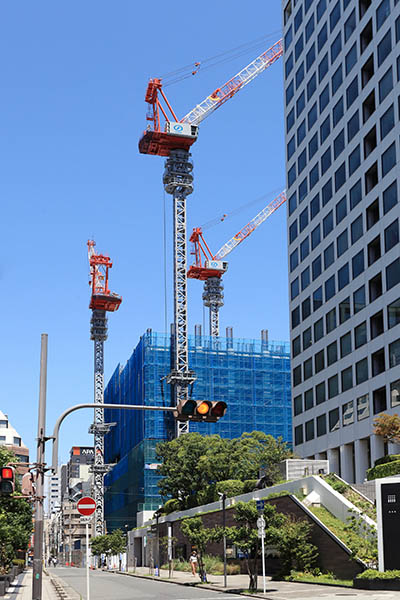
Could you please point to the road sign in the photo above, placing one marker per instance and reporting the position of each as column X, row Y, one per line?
column 260, row 505
column 86, row 506
column 84, row 520
column 261, row 522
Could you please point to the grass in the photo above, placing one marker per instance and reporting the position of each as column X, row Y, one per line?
column 352, row 495
column 335, row 525
column 326, row 578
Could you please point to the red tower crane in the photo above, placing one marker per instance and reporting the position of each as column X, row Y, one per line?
column 101, row 302
column 174, row 142
column 210, row 267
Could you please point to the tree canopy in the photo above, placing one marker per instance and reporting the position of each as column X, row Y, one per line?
column 388, row 427
column 193, row 464
column 15, row 520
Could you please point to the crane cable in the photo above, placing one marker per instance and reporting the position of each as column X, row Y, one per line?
column 191, row 69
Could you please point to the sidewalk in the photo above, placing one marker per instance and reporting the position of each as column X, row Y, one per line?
column 275, row 590
column 23, row 588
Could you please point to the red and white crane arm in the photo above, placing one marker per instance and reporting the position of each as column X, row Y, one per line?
column 236, row 83
column 250, row 227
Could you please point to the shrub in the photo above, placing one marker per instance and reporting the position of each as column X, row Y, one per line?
column 18, row 562
column 386, row 459
column 336, row 484
column 249, row 485
column 230, row 487
column 278, row 494
column 385, row 470
column 171, row 506
column 374, row 574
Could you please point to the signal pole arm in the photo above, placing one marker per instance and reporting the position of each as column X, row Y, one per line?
column 250, row 227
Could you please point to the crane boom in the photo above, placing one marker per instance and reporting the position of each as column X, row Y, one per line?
column 250, row 227
column 229, row 89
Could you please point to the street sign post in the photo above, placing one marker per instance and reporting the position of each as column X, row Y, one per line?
column 86, row 507
column 261, row 534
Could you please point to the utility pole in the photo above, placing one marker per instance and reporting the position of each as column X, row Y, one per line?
column 40, row 470
column 178, row 181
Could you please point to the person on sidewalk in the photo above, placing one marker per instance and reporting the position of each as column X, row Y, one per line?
column 193, row 562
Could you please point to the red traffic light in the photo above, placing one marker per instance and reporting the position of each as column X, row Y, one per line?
column 7, row 476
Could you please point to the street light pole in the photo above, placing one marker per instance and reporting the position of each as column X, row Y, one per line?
column 39, row 493
column 223, row 499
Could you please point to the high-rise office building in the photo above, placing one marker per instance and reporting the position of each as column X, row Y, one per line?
column 341, row 74
column 251, row 376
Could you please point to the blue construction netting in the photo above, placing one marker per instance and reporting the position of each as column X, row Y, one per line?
column 251, row 376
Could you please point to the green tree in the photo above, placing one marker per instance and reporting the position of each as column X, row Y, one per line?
column 296, row 551
column 244, row 534
column 193, row 464
column 15, row 520
column 199, row 536
column 388, row 427
column 109, row 544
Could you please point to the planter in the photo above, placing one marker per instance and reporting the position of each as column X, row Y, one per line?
column 2, row 588
column 377, row 584
column 6, row 579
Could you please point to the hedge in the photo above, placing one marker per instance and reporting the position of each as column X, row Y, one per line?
column 385, row 470
column 386, row 459
column 373, row 574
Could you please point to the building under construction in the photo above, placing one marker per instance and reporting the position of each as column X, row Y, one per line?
column 251, row 376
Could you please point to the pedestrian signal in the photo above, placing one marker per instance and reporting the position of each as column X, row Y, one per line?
column 7, row 480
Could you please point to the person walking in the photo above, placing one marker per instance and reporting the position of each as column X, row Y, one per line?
column 193, row 562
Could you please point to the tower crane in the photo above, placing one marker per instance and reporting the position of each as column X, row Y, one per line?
column 210, row 267
column 174, row 142
column 101, row 302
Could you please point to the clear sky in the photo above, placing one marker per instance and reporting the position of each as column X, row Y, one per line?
column 73, row 79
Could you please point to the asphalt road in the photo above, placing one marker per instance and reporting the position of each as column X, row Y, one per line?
column 106, row 586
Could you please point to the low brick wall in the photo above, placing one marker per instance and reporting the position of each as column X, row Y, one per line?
column 333, row 556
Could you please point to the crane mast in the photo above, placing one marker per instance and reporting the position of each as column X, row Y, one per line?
column 211, row 270
column 101, row 302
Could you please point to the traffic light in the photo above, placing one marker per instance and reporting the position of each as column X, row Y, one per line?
column 7, row 480
column 200, row 410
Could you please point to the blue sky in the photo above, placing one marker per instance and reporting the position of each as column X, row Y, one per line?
column 72, row 109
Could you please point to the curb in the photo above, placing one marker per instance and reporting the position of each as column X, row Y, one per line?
column 194, row 585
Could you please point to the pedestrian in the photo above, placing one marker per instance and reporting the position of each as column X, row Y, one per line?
column 193, row 562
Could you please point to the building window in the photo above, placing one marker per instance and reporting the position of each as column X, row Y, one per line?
column 298, row 435
column 329, row 256
column 359, row 299
column 320, row 393
column 313, row 146
column 296, row 349
column 353, row 126
column 338, row 112
column 299, row 75
column 341, row 210
column 298, row 49
column 342, row 243
column 354, row 160
column 376, row 324
column 394, row 313
column 321, row 425
column 382, row 13
column 344, row 310
column 3, row 423
column 294, row 289
column 297, row 406
column 294, row 260
column 360, row 335
column 395, row 393
column 378, row 362
column 17, row 441
column 356, row 229
column 310, row 57
column 379, row 400
column 330, row 290
column 318, row 330
column 362, row 407
column 350, row 25
column 301, row 132
column 343, row 276
column 307, row 340
column 390, row 197
column 321, row 8
column 391, row 235
column 314, row 206
column 348, row 413
column 305, row 279
column 358, row 264
column 351, row 93
column 345, row 345
column 311, row 87
column 394, row 353
column 361, row 371
column 331, row 353
column 387, row 122
column 293, row 231
column 292, row 175
column 310, row 26
column 308, row 399
column 384, row 48
column 351, row 58
column 322, row 71
column 295, row 317
column 336, row 48
column 327, row 192
column 306, row 308
column 303, row 190
column 300, row 105
column 388, row 159
column 334, row 419
column 330, row 320
column 347, row 379
column 316, row 267
column 319, row 361
column 393, row 274
column 340, row 176
column 298, row 19
column 333, row 387
column 338, row 144
column 355, row 194
column 307, row 369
